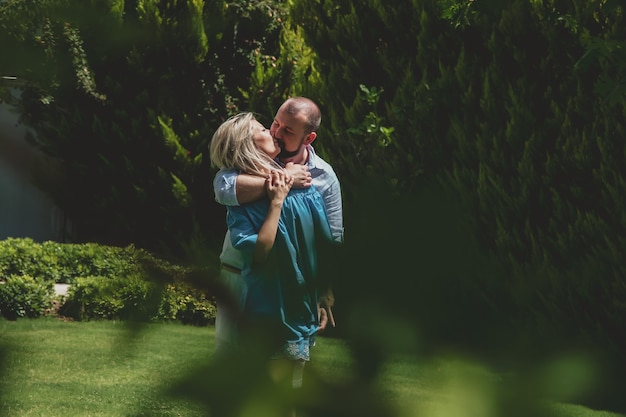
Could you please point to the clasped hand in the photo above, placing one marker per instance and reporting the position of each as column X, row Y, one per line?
column 278, row 184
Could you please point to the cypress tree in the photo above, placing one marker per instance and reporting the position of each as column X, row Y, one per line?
column 517, row 105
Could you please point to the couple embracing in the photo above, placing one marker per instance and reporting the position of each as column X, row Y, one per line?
column 283, row 203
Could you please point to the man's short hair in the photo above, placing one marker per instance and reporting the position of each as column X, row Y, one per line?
column 307, row 106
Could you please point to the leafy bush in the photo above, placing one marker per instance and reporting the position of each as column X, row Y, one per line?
column 186, row 304
column 92, row 298
column 134, row 298
column 107, row 282
column 23, row 296
column 91, row 259
column 64, row 262
column 24, row 257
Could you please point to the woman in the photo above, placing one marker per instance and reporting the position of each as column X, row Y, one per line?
column 278, row 237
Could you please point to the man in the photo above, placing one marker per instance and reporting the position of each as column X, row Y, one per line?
column 295, row 128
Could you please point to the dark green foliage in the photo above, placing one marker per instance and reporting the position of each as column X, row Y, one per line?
column 401, row 51
column 502, row 104
column 517, row 109
column 127, row 101
column 542, row 180
column 506, row 104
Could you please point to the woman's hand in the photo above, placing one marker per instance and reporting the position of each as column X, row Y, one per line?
column 278, row 184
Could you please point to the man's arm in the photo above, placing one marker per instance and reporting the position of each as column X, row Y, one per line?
column 331, row 194
column 249, row 188
column 328, row 185
column 334, row 210
column 233, row 188
column 224, row 185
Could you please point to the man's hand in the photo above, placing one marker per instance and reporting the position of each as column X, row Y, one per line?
column 300, row 173
column 250, row 188
column 325, row 304
column 323, row 318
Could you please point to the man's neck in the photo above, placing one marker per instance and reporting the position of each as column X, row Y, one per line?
column 301, row 158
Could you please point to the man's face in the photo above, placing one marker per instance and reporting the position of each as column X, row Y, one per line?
column 289, row 130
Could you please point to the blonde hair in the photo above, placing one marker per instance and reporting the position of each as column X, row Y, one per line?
column 232, row 146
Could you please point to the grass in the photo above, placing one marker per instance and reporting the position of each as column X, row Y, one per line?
column 77, row 369
column 55, row 368
column 453, row 386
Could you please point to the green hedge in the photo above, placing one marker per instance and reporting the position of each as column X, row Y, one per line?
column 106, row 282
column 22, row 296
column 135, row 298
column 64, row 262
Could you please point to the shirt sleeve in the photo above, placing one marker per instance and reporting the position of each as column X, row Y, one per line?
column 224, row 187
column 334, row 209
column 327, row 183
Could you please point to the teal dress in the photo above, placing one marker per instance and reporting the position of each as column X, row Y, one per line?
column 283, row 290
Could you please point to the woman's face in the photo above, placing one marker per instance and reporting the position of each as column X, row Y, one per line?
column 263, row 140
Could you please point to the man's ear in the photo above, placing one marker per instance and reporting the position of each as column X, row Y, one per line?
column 310, row 138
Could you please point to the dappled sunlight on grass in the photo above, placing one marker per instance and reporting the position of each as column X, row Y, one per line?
column 455, row 386
column 56, row 368
column 107, row 369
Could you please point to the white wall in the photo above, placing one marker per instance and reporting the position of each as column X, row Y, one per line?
column 25, row 211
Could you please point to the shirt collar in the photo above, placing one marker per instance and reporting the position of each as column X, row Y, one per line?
column 312, row 161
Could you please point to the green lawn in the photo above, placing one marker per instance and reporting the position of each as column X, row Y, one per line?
column 53, row 368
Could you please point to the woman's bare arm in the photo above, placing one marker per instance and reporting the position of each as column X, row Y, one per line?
column 278, row 185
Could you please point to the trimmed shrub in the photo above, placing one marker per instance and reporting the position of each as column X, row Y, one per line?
column 64, row 262
column 187, row 305
column 95, row 298
column 107, row 282
column 23, row 296
column 134, row 298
